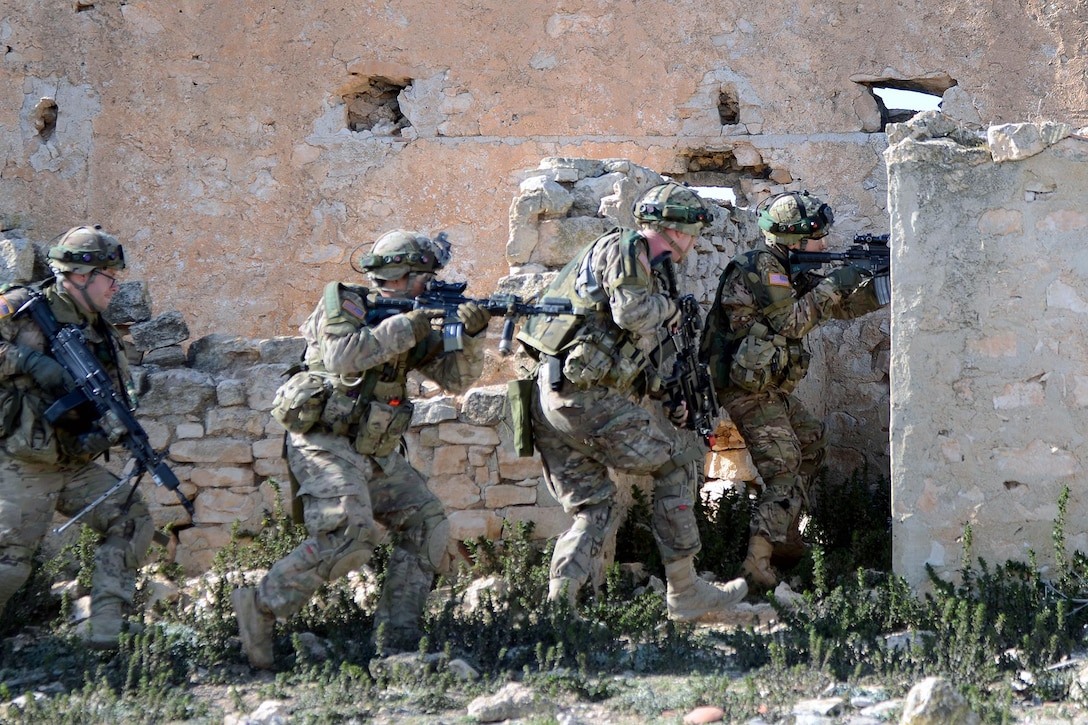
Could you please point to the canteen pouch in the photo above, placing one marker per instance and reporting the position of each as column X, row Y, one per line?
column 299, row 402
column 382, row 427
column 759, row 361
column 519, row 393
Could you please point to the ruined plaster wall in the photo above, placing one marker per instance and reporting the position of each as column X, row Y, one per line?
column 989, row 390
column 207, row 132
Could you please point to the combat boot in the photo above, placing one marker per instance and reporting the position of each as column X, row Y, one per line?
column 103, row 628
column 691, row 599
column 787, row 554
column 255, row 625
column 757, row 565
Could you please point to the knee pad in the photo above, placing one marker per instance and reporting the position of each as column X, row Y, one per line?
column 343, row 551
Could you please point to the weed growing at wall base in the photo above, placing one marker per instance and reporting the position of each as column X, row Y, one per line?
column 995, row 634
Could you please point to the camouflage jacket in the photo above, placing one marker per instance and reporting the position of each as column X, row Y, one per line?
column 622, row 307
column 759, row 295
column 349, row 347
column 29, row 399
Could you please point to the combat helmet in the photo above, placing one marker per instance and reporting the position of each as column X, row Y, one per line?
column 81, row 250
column 401, row 252
column 790, row 217
column 674, row 206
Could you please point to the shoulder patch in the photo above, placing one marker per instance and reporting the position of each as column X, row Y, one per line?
column 352, row 309
column 6, row 308
column 777, row 279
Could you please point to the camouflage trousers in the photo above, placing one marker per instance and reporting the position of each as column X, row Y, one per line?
column 30, row 493
column 343, row 494
column 580, row 435
column 787, row 444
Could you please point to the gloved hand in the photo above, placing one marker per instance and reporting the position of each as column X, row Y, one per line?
column 846, row 278
column 474, row 316
column 92, row 444
column 678, row 414
column 423, row 322
column 112, row 426
column 46, row 371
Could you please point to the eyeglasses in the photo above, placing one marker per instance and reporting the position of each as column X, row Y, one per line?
column 98, row 272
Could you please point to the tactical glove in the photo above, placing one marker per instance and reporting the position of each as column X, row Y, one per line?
column 846, row 278
column 47, row 372
column 678, row 414
column 112, row 426
column 474, row 316
column 423, row 322
column 92, row 444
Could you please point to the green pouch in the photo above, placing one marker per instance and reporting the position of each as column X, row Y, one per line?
column 759, row 362
column 519, row 393
column 299, row 402
column 382, row 427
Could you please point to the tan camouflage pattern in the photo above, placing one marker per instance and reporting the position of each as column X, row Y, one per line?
column 580, row 434
column 30, row 492
column 29, row 495
column 345, row 494
column 787, row 443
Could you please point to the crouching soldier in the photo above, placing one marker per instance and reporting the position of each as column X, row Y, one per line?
column 346, row 413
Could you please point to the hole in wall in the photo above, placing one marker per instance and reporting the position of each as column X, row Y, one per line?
column 374, row 107
column 728, row 106
column 719, row 173
column 45, row 118
column 899, row 100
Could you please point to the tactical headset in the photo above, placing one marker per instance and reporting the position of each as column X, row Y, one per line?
column 806, row 225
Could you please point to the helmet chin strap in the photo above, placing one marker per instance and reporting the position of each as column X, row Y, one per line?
column 87, row 303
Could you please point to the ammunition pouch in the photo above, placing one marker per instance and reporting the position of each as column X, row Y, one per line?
column 604, row 357
column 764, row 360
column 797, row 365
column 519, row 395
column 299, row 403
column 760, row 360
column 382, row 426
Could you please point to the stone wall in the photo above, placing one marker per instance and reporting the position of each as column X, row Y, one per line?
column 209, row 403
column 242, row 150
column 989, row 389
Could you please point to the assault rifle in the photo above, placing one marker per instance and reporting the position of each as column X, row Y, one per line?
column 689, row 381
column 869, row 252
column 93, row 385
column 447, row 296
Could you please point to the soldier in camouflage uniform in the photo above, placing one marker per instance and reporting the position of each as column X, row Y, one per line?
column 50, row 467
column 346, row 413
column 589, row 410
column 762, row 310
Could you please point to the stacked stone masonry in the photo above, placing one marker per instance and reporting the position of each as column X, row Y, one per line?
column 209, row 404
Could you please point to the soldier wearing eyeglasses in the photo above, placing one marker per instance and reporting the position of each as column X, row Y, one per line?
column 48, row 466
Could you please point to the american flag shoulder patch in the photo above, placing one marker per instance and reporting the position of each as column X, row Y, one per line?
column 6, row 310
column 778, row 279
column 353, row 309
